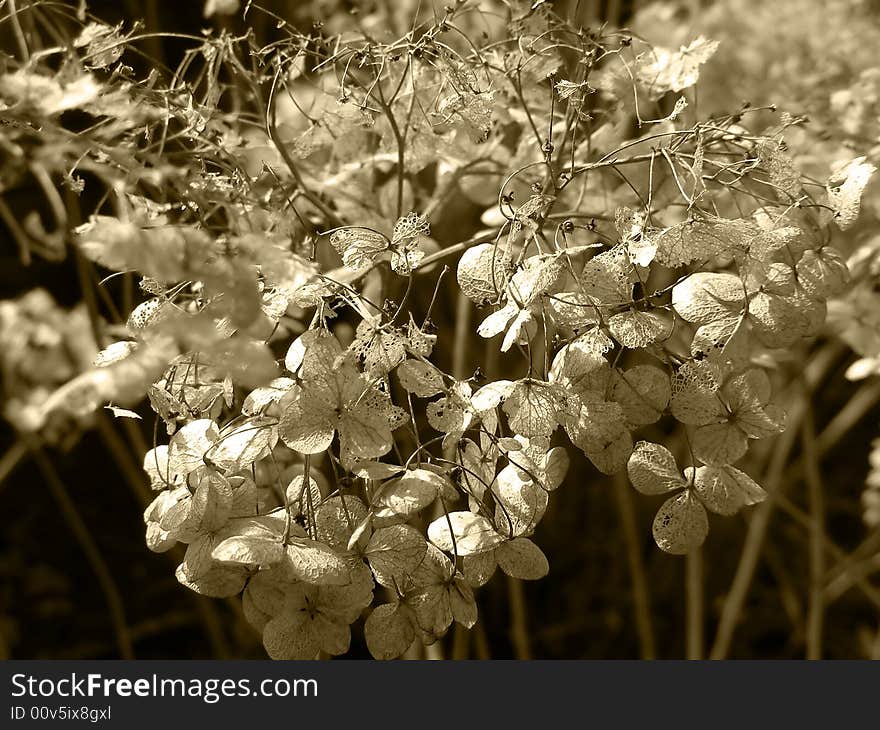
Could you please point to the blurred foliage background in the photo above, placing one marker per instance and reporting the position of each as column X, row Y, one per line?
column 610, row 592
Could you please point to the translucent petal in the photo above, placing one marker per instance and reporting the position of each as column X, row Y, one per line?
column 394, row 553
column 719, row 443
column 681, row 524
column 389, row 630
column 521, row 558
column 643, row 392
column 520, row 503
column 725, row 490
column 308, row 423
column 652, row 469
column 706, row 296
column 291, row 635
column 532, row 408
column 471, row 534
column 635, row 329
column 358, row 247
column 483, row 272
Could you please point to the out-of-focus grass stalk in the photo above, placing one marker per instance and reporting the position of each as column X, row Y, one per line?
column 461, row 642
column 813, row 375
column 462, row 336
column 519, row 619
column 694, row 636
column 863, row 401
column 849, row 578
column 17, row 232
column 640, row 593
column 866, row 552
column 24, row 54
column 860, row 405
column 751, row 551
column 481, row 641
column 11, row 458
column 816, row 604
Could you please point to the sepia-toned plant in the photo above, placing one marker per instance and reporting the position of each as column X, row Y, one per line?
column 327, row 451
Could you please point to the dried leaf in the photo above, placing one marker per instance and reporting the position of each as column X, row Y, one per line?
column 420, row 378
column 707, row 297
column 409, row 494
column 635, row 329
column 470, row 534
column 652, row 469
column 394, row 553
column 725, row 490
column 483, row 272
column 845, row 187
column 521, row 558
column 313, row 562
column 389, row 630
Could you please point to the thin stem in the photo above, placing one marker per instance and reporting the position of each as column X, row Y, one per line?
column 18, row 233
column 462, row 334
column 836, row 588
column 816, row 605
column 638, row 578
column 23, row 52
column 481, row 642
column 519, row 619
column 860, row 405
column 695, row 635
column 757, row 532
column 742, row 579
column 461, row 641
column 11, row 459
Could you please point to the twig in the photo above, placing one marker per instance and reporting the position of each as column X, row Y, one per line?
column 83, row 272
column 816, row 605
column 345, row 275
column 855, row 575
column 149, row 628
column 867, row 549
column 748, row 561
column 272, row 130
column 638, row 578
